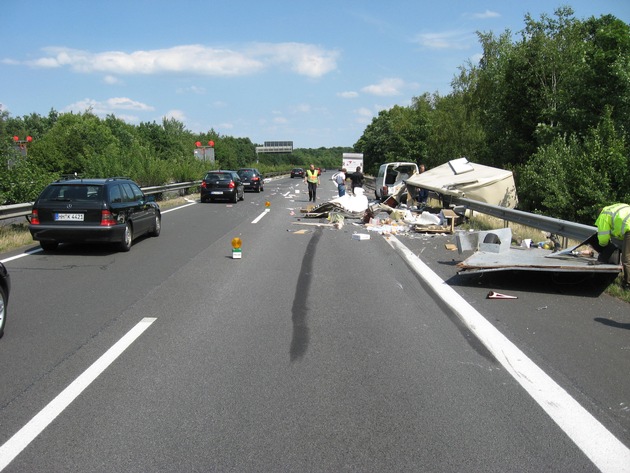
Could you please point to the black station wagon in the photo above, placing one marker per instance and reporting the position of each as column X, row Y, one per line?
column 93, row 210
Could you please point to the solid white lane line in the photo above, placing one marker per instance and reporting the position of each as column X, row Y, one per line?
column 22, row 255
column 597, row 443
column 37, row 424
column 257, row 219
column 179, row 207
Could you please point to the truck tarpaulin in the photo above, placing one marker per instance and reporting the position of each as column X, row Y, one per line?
column 461, row 178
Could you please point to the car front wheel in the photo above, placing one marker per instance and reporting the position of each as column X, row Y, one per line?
column 125, row 244
column 157, row 226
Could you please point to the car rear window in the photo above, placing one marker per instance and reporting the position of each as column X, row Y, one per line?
column 72, row 192
column 218, row 176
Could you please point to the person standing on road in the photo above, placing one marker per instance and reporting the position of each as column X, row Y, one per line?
column 340, row 179
column 312, row 180
column 613, row 223
column 356, row 179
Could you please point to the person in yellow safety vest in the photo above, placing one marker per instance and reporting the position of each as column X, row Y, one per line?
column 312, row 179
column 613, row 223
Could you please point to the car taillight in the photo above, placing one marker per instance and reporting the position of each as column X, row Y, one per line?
column 204, row 184
column 35, row 217
column 107, row 219
column 255, row 178
column 231, row 185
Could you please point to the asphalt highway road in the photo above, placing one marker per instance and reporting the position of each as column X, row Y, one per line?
column 313, row 352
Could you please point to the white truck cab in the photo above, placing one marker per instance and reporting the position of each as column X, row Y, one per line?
column 391, row 177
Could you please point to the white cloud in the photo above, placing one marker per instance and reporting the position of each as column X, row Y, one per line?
column 178, row 115
column 303, row 59
column 475, row 58
column 348, row 95
column 364, row 115
column 486, row 14
column 386, row 87
column 124, row 103
column 280, row 120
column 111, row 80
column 109, row 106
column 219, row 104
column 301, row 108
column 193, row 89
column 446, row 40
column 128, row 118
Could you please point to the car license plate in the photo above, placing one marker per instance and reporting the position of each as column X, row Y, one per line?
column 245, row 183
column 217, row 192
column 69, row 217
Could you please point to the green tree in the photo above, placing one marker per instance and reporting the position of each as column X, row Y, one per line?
column 397, row 134
column 601, row 77
column 73, row 141
column 571, row 178
column 455, row 131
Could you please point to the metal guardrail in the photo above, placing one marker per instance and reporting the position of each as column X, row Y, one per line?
column 575, row 231
column 15, row 210
column 170, row 187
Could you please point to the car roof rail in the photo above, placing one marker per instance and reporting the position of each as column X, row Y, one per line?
column 115, row 178
column 68, row 177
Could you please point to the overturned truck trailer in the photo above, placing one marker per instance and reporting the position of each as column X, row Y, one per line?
column 461, row 178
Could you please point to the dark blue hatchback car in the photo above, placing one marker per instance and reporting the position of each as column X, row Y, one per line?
column 222, row 185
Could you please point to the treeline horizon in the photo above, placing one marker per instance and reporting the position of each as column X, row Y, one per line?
column 150, row 153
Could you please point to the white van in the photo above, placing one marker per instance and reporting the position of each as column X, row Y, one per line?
column 391, row 176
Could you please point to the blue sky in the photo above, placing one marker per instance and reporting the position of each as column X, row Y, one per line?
column 314, row 72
